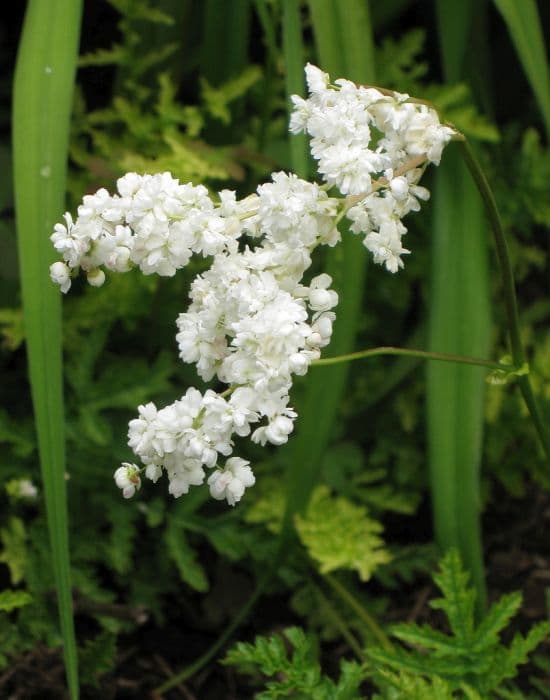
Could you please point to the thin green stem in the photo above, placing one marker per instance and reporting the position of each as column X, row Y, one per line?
column 338, row 622
column 510, row 299
column 423, row 354
column 362, row 614
column 503, row 254
column 199, row 663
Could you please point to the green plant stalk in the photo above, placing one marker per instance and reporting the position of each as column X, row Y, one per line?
column 338, row 622
column 369, row 621
column 211, row 652
column 421, row 354
column 42, row 101
column 510, row 299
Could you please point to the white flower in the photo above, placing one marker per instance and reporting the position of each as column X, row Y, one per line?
column 317, row 81
column 25, row 489
column 127, row 478
column 321, row 298
column 231, row 482
column 60, row 274
column 96, row 277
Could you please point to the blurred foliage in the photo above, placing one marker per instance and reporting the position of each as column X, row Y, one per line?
column 157, row 564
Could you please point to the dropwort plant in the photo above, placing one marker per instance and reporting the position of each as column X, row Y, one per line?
column 252, row 324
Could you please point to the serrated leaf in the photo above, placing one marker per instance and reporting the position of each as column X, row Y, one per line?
column 10, row 600
column 14, row 552
column 406, row 685
column 185, row 558
column 119, row 547
column 431, row 640
column 498, row 617
column 339, row 535
column 218, row 99
column 458, row 600
column 96, row 657
column 506, row 660
column 11, row 328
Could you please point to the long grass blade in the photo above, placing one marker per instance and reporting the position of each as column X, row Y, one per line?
column 459, row 323
column 454, row 21
column 523, row 22
column 293, row 53
column 224, row 47
column 43, row 90
column 343, row 38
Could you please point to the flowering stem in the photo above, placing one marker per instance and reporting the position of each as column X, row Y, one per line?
column 423, row 354
column 510, row 299
column 412, row 164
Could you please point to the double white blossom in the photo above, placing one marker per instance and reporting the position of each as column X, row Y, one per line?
column 362, row 139
column 253, row 322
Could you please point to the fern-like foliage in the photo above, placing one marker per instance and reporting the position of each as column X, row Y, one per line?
column 339, row 535
column 472, row 659
column 295, row 673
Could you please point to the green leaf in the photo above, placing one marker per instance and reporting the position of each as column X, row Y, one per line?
column 42, row 101
column 12, row 328
column 459, row 323
column 458, row 600
column 498, row 617
column 523, row 22
column 96, row 657
column 218, row 99
column 506, row 660
column 14, row 552
column 185, row 557
column 10, row 600
column 471, row 659
column 298, row 676
column 339, row 535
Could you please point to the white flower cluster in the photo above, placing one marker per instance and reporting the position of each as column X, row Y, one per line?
column 367, row 143
column 152, row 222
column 252, row 322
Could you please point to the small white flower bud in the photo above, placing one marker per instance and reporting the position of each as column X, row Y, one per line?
column 278, row 430
column 399, row 187
column 96, row 277
column 127, row 478
column 298, row 363
column 60, row 274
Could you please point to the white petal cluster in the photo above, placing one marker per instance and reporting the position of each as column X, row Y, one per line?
column 253, row 322
column 360, row 138
column 153, row 222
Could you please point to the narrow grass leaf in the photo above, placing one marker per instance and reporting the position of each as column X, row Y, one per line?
column 224, row 46
column 43, row 88
column 523, row 22
column 454, row 22
column 293, row 52
column 459, row 323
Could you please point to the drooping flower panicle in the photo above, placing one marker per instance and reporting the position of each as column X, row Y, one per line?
column 252, row 322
